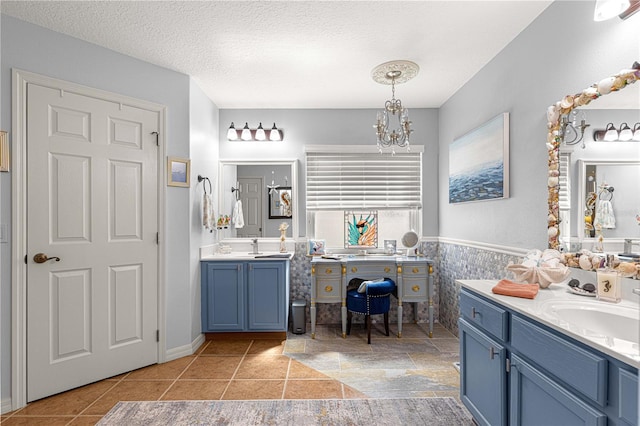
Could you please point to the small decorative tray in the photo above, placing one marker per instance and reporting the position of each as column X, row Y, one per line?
column 581, row 292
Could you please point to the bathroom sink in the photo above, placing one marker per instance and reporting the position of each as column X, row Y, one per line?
column 597, row 319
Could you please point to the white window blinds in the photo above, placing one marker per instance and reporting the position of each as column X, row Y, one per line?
column 348, row 178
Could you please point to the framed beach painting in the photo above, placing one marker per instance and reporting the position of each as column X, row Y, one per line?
column 178, row 172
column 361, row 229
column 479, row 163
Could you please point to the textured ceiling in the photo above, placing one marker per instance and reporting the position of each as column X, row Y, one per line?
column 297, row 54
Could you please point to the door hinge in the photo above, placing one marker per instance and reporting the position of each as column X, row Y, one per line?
column 157, row 238
column 507, row 365
column 157, row 137
column 25, row 259
column 157, row 335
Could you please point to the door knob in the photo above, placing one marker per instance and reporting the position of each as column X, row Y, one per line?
column 41, row 258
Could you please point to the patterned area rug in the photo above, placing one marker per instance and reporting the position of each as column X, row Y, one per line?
column 409, row 411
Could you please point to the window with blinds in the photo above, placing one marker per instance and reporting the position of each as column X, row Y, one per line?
column 351, row 177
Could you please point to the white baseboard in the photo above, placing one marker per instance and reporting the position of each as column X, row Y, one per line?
column 185, row 350
column 6, row 406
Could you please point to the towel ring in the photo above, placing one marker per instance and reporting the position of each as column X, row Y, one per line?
column 204, row 188
column 606, row 192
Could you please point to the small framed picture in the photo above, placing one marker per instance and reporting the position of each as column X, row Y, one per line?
column 178, row 172
column 316, row 247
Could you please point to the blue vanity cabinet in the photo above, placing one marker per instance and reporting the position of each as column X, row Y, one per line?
column 552, row 379
column 244, row 295
column 222, row 296
column 483, row 376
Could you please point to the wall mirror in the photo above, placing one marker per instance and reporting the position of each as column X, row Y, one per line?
column 569, row 165
column 257, row 184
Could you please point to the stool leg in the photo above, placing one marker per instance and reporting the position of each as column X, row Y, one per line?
column 386, row 322
column 368, row 329
column 349, row 316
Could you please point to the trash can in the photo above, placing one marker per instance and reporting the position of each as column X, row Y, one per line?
column 299, row 317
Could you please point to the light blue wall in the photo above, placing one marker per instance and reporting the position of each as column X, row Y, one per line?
column 32, row 48
column 203, row 129
column 562, row 52
column 332, row 127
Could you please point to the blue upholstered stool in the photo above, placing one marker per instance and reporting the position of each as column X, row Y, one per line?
column 375, row 300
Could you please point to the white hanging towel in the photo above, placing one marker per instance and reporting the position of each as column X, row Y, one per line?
column 238, row 215
column 208, row 215
column 604, row 215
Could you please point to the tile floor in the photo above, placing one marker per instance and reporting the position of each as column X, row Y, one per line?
column 327, row 367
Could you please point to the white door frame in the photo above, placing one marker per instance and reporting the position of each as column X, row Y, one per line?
column 20, row 79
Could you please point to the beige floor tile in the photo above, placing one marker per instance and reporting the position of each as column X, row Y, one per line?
column 266, row 347
column 36, row 421
column 226, row 347
column 263, row 367
column 438, row 360
column 313, row 389
column 212, row 367
column 351, row 393
column 68, row 403
column 294, row 346
column 254, row 389
column 447, row 345
column 128, row 391
column 196, row 390
column 168, row 370
column 85, row 421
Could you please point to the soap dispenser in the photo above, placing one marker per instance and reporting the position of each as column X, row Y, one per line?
column 609, row 287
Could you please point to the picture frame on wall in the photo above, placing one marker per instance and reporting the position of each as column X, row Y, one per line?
column 280, row 203
column 479, row 163
column 178, row 172
column 361, row 229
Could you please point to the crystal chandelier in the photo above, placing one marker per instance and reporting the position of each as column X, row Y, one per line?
column 393, row 72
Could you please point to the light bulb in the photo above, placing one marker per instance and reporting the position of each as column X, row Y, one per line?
column 607, row 9
column 610, row 134
column 260, row 135
column 246, row 133
column 274, row 134
column 232, row 134
column 625, row 132
column 636, row 132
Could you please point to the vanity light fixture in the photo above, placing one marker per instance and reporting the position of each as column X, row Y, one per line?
column 393, row 72
column 607, row 9
column 570, row 131
column 259, row 134
column 622, row 134
column 232, row 134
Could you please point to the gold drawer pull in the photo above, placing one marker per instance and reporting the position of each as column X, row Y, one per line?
column 328, row 289
column 431, row 269
column 416, row 270
column 354, row 269
column 328, row 270
column 416, row 288
column 387, row 269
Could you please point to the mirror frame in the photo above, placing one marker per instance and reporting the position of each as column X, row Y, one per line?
column 293, row 163
column 554, row 114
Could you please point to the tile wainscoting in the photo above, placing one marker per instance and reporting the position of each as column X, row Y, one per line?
column 452, row 261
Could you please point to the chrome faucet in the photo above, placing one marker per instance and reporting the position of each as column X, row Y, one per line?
column 254, row 244
column 628, row 245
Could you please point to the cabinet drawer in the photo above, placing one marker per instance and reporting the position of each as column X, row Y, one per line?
column 584, row 371
column 414, row 288
column 369, row 271
column 332, row 270
column 485, row 315
column 409, row 271
column 328, row 290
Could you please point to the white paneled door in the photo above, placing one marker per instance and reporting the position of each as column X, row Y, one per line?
column 92, row 203
column 251, row 197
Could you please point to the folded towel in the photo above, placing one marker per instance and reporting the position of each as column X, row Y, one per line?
column 510, row 288
column 208, row 215
column 238, row 215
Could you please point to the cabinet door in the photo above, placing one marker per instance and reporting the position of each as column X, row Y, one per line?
column 222, row 296
column 536, row 399
column 266, row 301
column 483, row 376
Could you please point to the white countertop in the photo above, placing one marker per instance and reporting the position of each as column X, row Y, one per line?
column 346, row 258
column 627, row 352
column 246, row 256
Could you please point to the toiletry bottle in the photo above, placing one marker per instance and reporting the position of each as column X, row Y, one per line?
column 609, row 288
